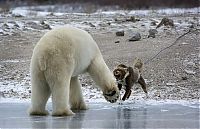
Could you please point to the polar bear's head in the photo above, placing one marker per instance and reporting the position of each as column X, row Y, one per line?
column 111, row 95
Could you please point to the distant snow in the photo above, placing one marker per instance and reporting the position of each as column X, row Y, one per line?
column 41, row 11
column 28, row 12
column 167, row 11
column 179, row 11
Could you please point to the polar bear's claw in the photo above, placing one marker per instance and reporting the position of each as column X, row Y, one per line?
column 112, row 96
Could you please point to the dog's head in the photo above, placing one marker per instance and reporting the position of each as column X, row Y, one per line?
column 120, row 72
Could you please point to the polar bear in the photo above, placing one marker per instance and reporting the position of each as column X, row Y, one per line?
column 58, row 58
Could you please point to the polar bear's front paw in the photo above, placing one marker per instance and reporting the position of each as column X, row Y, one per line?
column 111, row 96
column 63, row 113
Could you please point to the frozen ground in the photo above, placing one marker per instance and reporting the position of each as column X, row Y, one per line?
column 172, row 77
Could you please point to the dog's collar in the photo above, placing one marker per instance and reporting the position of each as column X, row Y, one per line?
column 122, row 82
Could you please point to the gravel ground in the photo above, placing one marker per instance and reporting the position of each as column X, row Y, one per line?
column 174, row 74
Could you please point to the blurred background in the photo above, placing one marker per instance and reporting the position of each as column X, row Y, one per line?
column 94, row 5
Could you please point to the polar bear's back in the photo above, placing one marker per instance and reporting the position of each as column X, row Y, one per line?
column 67, row 43
column 69, row 37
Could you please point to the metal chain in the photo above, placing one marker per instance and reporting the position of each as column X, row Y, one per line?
column 189, row 31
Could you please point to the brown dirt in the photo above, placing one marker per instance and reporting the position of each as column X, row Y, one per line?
column 168, row 67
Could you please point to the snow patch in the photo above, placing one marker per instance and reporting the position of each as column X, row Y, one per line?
column 170, row 84
column 25, row 11
column 13, row 61
column 42, row 11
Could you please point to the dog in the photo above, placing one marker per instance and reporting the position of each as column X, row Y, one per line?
column 127, row 76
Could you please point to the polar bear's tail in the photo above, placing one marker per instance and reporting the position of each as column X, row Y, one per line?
column 42, row 63
column 137, row 63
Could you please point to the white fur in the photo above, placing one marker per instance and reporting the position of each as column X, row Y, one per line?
column 58, row 58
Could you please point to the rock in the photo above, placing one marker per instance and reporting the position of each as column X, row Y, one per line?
column 153, row 23
column 195, row 18
column 103, row 24
column 16, row 25
column 17, row 15
column 191, row 64
column 42, row 22
column 2, row 95
column 120, row 33
column 34, row 25
column 117, row 41
column 119, row 20
column 190, row 72
column 12, row 78
column 45, row 25
column 3, row 33
column 91, row 96
column 152, row 33
column 167, row 22
column 192, row 26
column 131, row 19
column 184, row 78
column 11, row 90
column 24, row 97
column 91, row 25
column 5, row 26
column 51, row 14
column 135, row 37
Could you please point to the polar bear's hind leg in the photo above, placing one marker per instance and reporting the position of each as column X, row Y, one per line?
column 39, row 96
column 60, row 97
column 76, row 97
column 58, row 76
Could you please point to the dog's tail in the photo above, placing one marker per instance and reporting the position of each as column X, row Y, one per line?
column 137, row 63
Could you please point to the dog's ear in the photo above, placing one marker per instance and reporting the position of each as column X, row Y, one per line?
column 122, row 66
column 126, row 71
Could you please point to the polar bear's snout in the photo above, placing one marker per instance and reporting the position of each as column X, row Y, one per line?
column 111, row 96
